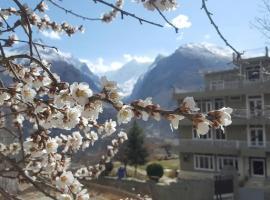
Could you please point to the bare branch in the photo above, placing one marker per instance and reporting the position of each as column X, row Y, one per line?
column 35, row 43
column 208, row 13
column 73, row 13
column 163, row 16
column 141, row 20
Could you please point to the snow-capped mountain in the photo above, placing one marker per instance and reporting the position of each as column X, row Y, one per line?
column 183, row 70
column 68, row 67
column 127, row 75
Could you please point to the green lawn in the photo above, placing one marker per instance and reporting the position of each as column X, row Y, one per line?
column 141, row 174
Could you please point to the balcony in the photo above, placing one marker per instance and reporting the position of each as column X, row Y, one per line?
column 237, row 84
column 240, row 116
column 225, row 147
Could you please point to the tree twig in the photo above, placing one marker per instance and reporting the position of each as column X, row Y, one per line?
column 123, row 12
column 73, row 13
column 163, row 16
column 208, row 13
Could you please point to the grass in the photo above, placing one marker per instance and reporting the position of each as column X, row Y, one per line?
column 141, row 173
column 166, row 164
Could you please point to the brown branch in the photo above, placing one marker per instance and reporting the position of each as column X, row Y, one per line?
column 36, row 61
column 22, row 173
column 73, row 13
column 9, row 131
column 208, row 13
column 36, row 43
column 8, row 63
column 263, row 23
column 16, row 24
column 29, row 33
column 163, row 16
column 123, row 12
column 13, row 113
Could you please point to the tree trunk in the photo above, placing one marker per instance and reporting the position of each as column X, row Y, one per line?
column 125, row 166
column 135, row 171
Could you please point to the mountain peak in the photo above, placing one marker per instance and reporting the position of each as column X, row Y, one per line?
column 205, row 48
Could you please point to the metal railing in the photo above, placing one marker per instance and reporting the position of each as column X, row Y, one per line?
column 236, row 84
column 223, row 144
column 245, row 113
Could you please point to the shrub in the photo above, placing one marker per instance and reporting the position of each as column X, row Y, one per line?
column 108, row 169
column 154, row 171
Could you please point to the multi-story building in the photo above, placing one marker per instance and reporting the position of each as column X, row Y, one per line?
column 245, row 145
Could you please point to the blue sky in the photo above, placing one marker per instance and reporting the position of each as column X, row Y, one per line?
column 108, row 43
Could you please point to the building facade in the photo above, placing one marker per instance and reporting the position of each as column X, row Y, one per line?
column 245, row 145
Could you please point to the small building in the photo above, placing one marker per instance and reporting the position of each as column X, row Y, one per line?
column 245, row 145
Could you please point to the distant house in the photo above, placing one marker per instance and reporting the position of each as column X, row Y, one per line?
column 246, row 143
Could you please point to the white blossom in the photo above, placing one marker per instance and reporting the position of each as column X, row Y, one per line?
column 81, row 92
column 91, row 111
column 3, row 97
column 175, row 120
column 123, row 135
column 76, row 187
column 72, row 117
column 74, row 142
column 125, row 115
column 28, row 93
column 109, row 127
column 66, row 179
column 162, row 5
column 51, row 145
column 202, row 127
column 190, row 104
column 225, row 116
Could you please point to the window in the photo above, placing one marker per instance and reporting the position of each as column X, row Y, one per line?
column 253, row 73
column 204, row 105
column 204, row 162
column 220, row 135
column 256, row 136
column 217, row 84
column 207, row 136
column 219, row 103
column 255, row 105
column 223, row 161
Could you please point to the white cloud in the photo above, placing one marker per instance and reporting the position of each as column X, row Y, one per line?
column 139, row 59
column 181, row 22
column 51, row 34
column 99, row 66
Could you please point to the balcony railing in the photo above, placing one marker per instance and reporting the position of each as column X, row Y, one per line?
column 245, row 113
column 222, row 146
column 236, row 84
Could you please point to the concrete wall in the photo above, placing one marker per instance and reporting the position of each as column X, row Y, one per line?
column 182, row 190
column 185, row 132
column 238, row 132
column 186, row 162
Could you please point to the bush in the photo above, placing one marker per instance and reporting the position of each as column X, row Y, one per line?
column 154, row 171
column 108, row 169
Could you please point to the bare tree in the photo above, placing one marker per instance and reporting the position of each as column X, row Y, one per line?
column 262, row 23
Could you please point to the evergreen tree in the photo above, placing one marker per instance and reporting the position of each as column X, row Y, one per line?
column 135, row 149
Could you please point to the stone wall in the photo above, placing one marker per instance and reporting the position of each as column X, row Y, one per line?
column 180, row 190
